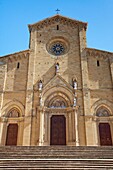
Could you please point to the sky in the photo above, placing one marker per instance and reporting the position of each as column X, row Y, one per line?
column 15, row 15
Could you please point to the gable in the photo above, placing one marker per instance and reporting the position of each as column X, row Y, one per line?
column 58, row 19
column 58, row 81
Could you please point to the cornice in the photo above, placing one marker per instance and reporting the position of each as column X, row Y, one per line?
column 16, row 56
column 98, row 53
column 56, row 19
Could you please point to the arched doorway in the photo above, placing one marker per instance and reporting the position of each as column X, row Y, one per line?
column 104, row 127
column 58, row 130
column 12, row 128
column 12, row 132
column 59, row 120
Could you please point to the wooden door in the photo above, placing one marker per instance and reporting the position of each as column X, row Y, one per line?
column 58, row 130
column 105, row 134
column 12, row 132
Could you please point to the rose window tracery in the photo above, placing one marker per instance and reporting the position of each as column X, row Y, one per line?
column 57, row 46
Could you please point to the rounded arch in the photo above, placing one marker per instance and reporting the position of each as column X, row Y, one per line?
column 104, row 105
column 16, row 105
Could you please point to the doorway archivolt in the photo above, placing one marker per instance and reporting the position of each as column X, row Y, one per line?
column 104, row 126
column 58, row 109
column 11, row 125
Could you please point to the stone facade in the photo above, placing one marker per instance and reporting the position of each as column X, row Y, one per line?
column 57, row 75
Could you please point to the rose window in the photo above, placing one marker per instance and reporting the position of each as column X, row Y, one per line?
column 57, row 49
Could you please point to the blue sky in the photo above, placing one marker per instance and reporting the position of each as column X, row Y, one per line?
column 15, row 15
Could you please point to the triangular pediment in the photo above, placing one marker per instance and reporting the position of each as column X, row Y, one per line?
column 56, row 19
column 58, row 81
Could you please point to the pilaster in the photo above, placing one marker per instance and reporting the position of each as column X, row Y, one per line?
column 86, row 93
column 3, row 76
column 30, row 93
column 111, row 66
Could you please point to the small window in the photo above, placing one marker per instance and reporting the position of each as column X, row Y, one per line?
column 98, row 63
column 18, row 65
column 57, row 27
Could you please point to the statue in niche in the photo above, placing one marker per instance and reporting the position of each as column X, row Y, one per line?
column 57, row 67
column 75, row 102
column 75, row 85
column 40, row 85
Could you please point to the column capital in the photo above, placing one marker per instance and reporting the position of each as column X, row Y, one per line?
column 4, row 119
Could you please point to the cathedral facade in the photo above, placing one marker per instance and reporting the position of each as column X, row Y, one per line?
column 59, row 91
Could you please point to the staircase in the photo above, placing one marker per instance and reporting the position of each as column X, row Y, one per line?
column 56, row 158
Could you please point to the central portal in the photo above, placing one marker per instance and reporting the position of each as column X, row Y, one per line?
column 58, row 130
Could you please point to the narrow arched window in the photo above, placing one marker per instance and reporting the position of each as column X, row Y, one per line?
column 57, row 27
column 98, row 63
column 18, row 65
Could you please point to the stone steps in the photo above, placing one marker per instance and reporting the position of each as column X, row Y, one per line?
column 56, row 164
column 56, row 157
column 56, row 152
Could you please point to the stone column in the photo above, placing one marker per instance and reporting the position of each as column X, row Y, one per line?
column 70, row 128
column 33, row 128
column 76, row 126
column 41, row 133
column 3, row 131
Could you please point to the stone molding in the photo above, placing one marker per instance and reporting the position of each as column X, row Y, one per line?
column 56, row 19
column 96, row 118
column 13, row 104
column 16, row 56
column 102, row 103
column 98, row 54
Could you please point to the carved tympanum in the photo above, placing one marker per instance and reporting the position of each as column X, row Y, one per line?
column 13, row 113
column 102, row 112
